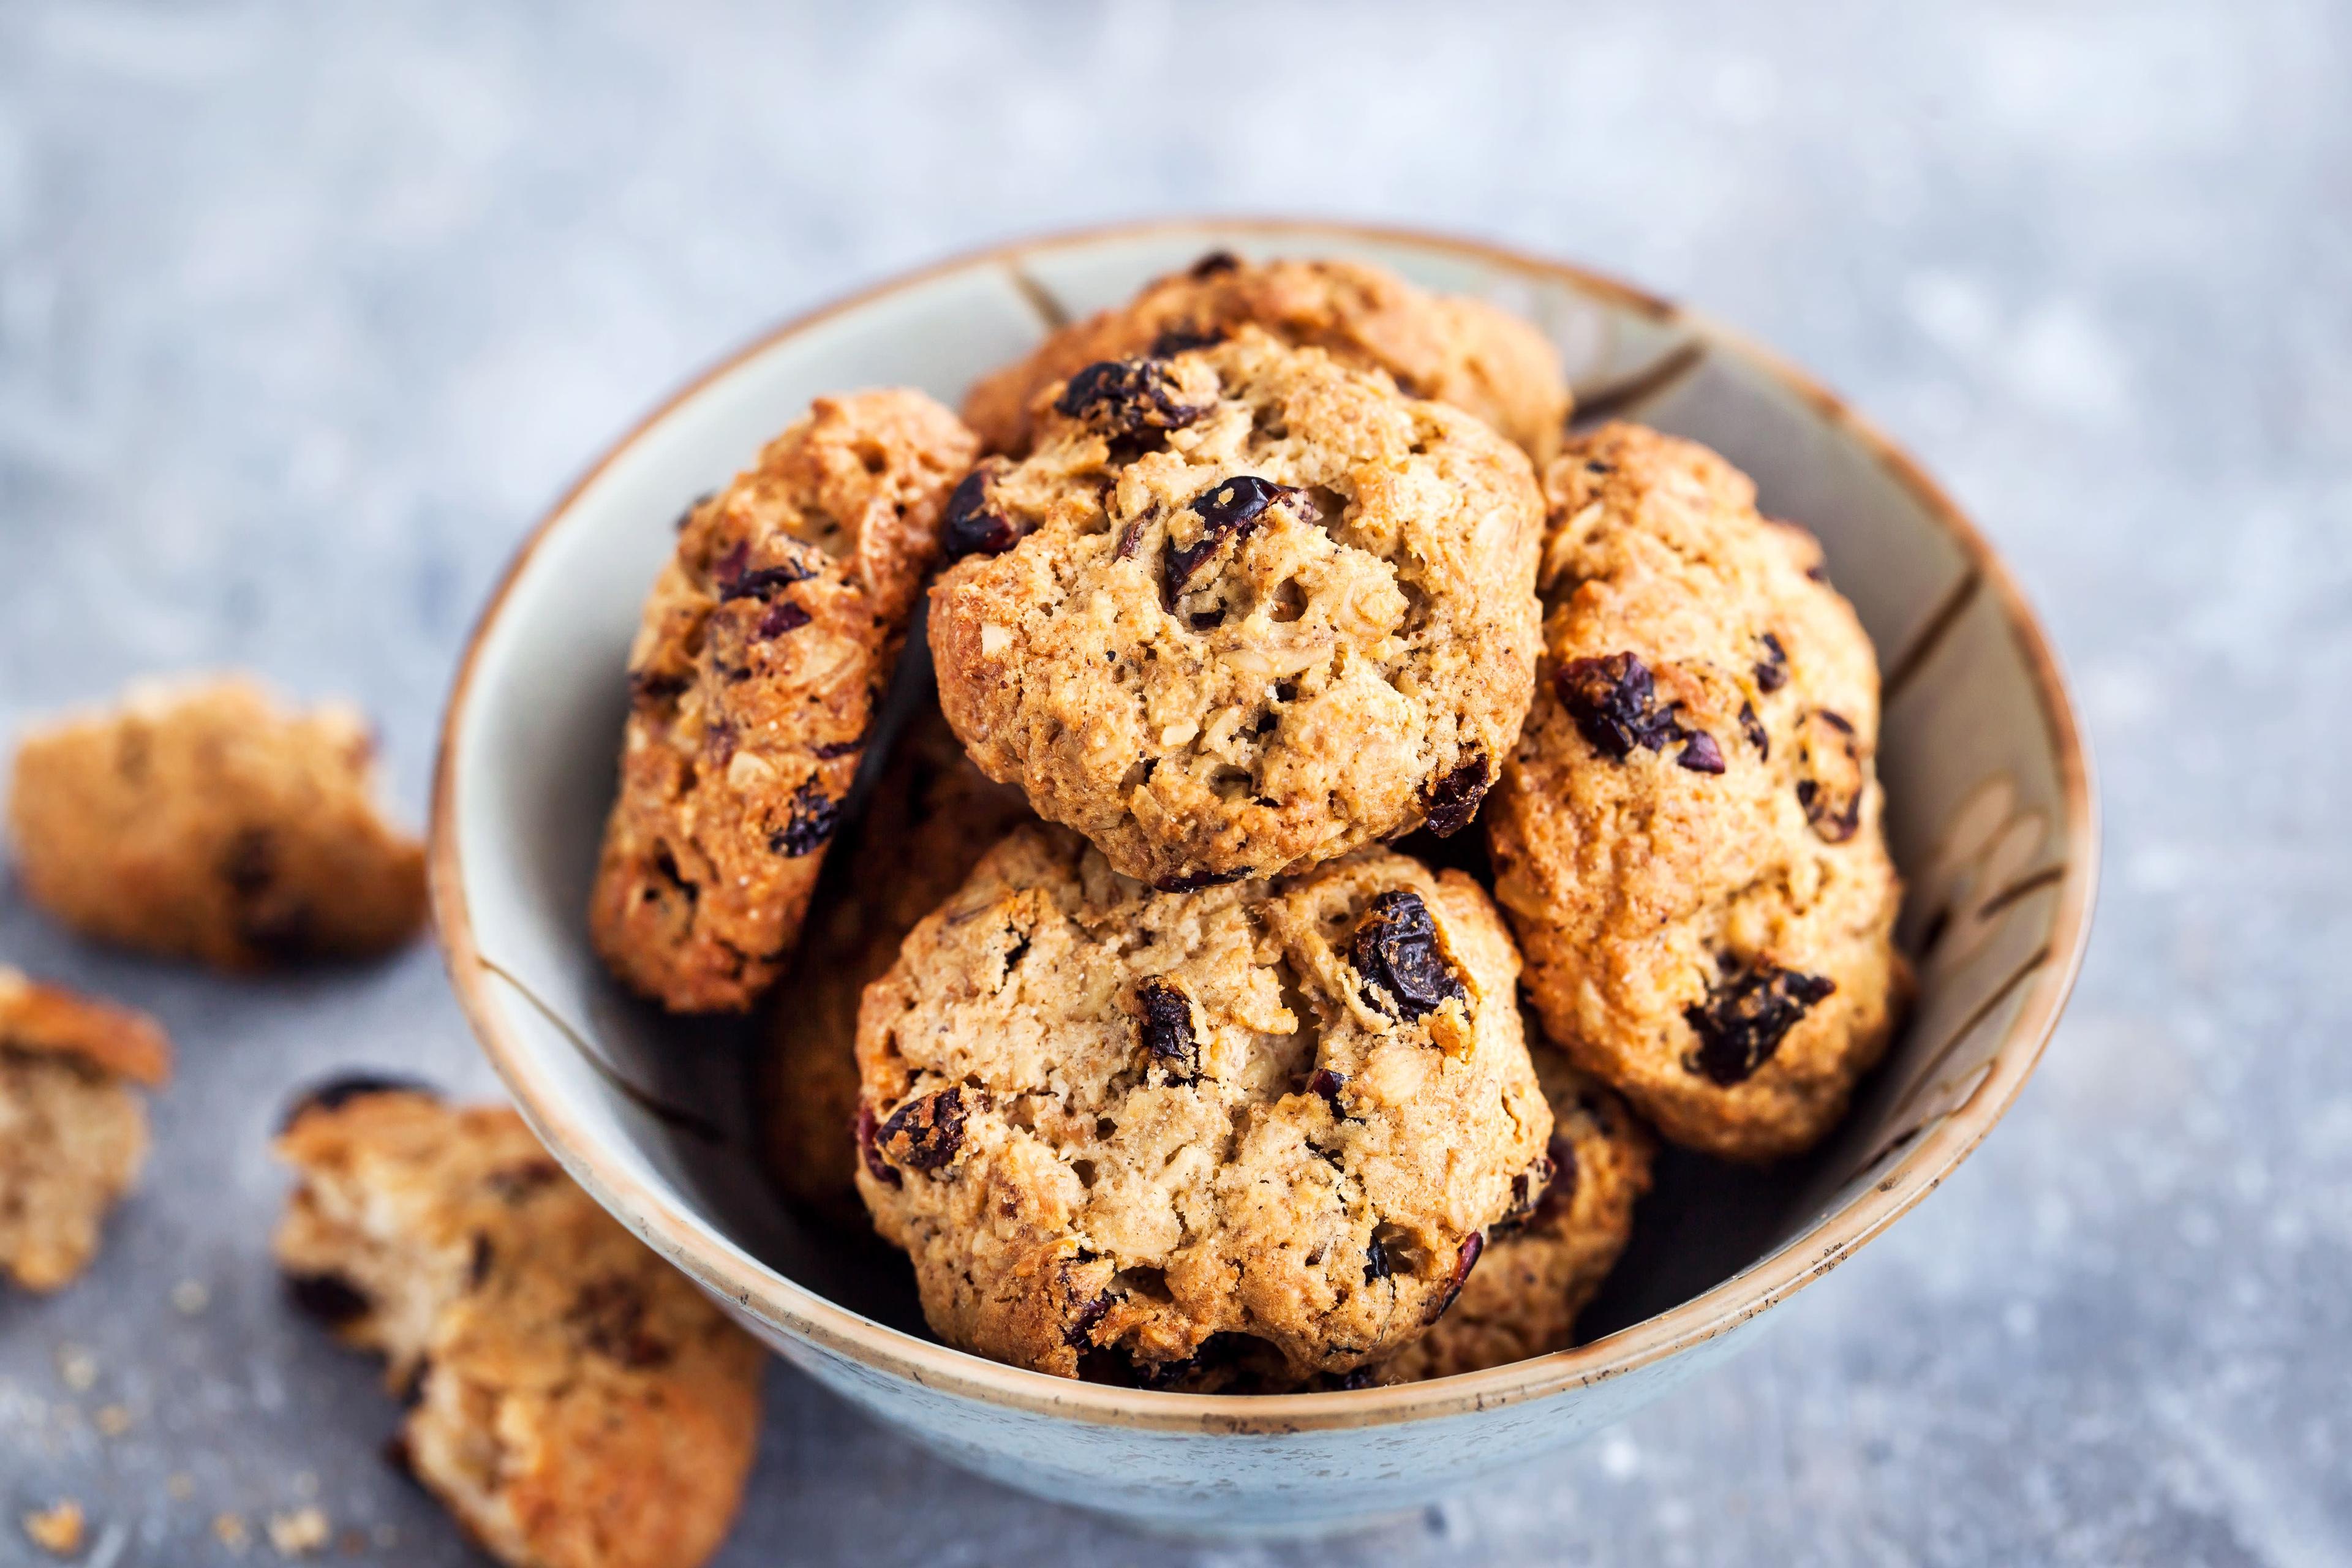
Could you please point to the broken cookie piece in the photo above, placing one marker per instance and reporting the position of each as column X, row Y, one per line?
column 756, row 679
column 207, row 821
column 73, row 1134
column 574, row 1401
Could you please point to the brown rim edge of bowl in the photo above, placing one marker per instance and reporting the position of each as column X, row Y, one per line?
column 1725, row 1306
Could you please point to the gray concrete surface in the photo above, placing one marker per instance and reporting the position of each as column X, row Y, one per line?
column 305, row 312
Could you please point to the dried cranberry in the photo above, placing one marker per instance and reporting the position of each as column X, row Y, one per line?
column 1465, row 1260
column 971, row 525
column 250, row 863
column 1753, row 728
column 1124, row 398
column 1193, row 882
column 512, row 1183
column 328, row 1094
column 1229, row 508
column 738, row 580
column 782, row 617
column 1560, row 1192
column 610, row 1317
column 1395, row 949
column 1614, row 700
column 1745, row 1018
column 867, row 1150
column 924, row 1134
column 1700, row 754
column 1326, row 1084
column 1392, row 1249
column 1529, row 1187
column 1183, row 339
column 814, row 815
column 1166, row 1026
column 645, row 686
column 1772, row 669
column 1830, row 775
column 1080, row 1329
column 1450, row 801
column 330, row 1298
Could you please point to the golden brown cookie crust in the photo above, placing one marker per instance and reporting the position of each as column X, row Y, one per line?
column 931, row 817
column 765, row 651
column 1251, row 610
column 1543, row 1263
column 206, row 821
column 1454, row 350
column 577, row 1402
column 1688, row 838
column 73, row 1135
column 1167, row 1136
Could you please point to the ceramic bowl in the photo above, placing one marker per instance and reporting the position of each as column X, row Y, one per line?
column 1990, row 813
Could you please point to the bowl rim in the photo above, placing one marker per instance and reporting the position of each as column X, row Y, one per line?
column 803, row 1314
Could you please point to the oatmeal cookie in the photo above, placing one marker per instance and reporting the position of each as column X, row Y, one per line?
column 1169, row 1137
column 1545, row 1259
column 73, row 1135
column 1688, row 838
column 206, row 821
column 572, row 1399
column 932, row 816
column 1453, row 350
column 1243, row 610
column 763, row 655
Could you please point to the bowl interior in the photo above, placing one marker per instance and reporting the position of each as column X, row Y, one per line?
column 1988, row 804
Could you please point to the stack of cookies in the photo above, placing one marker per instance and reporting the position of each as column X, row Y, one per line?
column 1121, row 999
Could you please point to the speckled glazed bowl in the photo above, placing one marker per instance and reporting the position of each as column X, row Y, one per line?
column 1989, row 807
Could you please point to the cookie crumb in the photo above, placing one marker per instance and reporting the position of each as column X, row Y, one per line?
column 189, row 1297
column 77, row 1367
column 56, row 1529
column 231, row 1531
column 301, row 1532
column 112, row 1420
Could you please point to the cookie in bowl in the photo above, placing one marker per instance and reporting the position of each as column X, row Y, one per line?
column 1249, row 1135
column 1451, row 348
column 761, row 658
column 1688, row 838
column 932, row 816
column 1241, row 611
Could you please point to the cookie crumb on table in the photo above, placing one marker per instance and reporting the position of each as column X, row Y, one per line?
column 57, row 1528
column 300, row 1532
column 205, row 820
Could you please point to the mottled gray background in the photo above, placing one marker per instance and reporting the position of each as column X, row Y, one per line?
column 305, row 314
